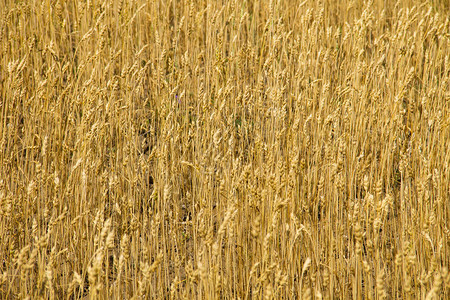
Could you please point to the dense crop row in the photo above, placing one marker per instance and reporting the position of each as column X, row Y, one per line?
column 224, row 149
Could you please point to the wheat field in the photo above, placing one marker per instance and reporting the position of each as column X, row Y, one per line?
column 193, row 149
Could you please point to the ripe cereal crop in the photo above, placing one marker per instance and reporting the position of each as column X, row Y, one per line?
column 193, row 149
